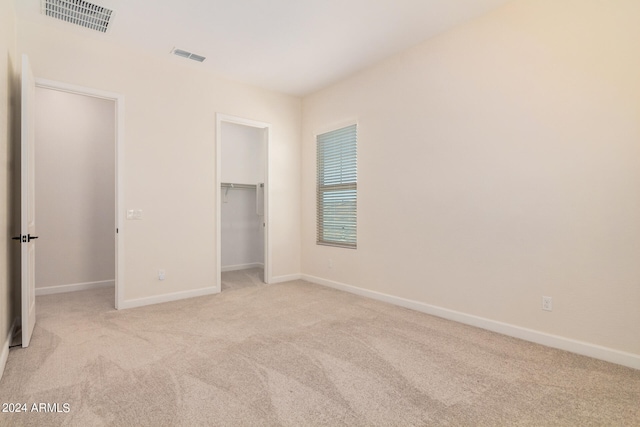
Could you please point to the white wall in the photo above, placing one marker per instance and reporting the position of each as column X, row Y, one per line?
column 498, row 163
column 75, row 188
column 243, row 154
column 169, row 156
column 242, row 231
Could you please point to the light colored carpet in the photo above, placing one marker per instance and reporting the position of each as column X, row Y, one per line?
column 238, row 279
column 297, row 354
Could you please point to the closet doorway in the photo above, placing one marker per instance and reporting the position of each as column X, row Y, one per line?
column 242, row 187
column 78, row 136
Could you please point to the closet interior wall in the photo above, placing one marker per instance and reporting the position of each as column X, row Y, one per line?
column 242, row 212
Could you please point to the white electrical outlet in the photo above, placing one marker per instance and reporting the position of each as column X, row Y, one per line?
column 547, row 303
column 161, row 275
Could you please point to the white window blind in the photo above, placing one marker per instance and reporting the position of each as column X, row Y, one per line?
column 337, row 187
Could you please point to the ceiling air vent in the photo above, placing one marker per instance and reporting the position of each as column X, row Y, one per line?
column 189, row 55
column 79, row 12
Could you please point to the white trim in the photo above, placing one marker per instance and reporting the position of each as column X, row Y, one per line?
column 267, row 210
column 335, row 126
column 4, row 353
column 286, row 278
column 60, row 289
column 120, row 206
column 580, row 347
column 78, row 90
column 241, row 266
column 119, row 169
column 174, row 296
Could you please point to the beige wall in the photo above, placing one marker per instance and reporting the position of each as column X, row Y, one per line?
column 7, row 135
column 75, row 188
column 169, row 155
column 498, row 163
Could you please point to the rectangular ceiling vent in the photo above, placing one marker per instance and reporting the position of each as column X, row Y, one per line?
column 189, row 55
column 79, row 12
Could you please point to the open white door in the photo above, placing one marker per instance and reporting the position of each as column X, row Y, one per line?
column 27, row 208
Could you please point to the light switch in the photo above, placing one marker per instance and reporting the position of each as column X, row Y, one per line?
column 134, row 214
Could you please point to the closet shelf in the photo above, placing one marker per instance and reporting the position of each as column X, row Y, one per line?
column 229, row 185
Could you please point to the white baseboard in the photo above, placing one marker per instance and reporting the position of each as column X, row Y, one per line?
column 241, row 266
column 4, row 353
column 174, row 296
column 285, row 278
column 48, row 290
column 579, row 347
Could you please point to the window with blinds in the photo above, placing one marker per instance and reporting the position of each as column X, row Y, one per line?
column 337, row 187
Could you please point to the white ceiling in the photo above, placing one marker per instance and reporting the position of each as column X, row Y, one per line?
column 292, row 46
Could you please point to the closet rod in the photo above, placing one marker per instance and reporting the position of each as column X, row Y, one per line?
column 231, row 185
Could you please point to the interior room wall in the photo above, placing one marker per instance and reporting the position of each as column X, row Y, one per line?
column 243, row 162
column 243, row 154
column 242, row 232
column 75, row 189
column 169, row 156
column 498, row 163
column 7, row 137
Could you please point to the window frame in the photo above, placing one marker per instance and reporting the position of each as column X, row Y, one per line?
column 323, row 189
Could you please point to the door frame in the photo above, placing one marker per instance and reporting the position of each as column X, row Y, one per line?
column 119, row 170
column 220, row 118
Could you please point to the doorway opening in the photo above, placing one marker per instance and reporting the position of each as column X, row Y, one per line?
column 242, row 187
column 78, row 132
